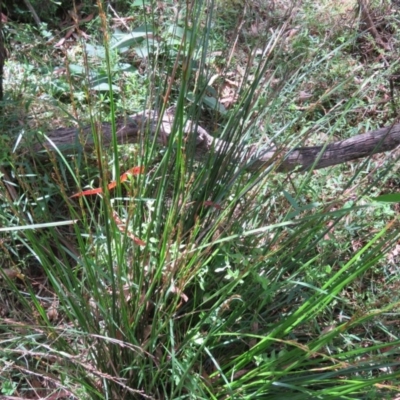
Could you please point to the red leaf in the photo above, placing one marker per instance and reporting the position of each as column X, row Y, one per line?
column 132, row 171
column 87, row 192
column 111, row 185
column 122, row 228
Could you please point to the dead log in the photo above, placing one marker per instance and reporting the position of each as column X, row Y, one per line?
column 136, row 128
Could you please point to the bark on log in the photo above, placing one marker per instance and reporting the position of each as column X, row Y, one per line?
column 134, row 128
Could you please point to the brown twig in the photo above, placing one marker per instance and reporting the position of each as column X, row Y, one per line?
column 366, row 16
column 33, row 12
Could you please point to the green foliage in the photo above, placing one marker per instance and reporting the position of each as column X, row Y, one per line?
column 48, row 11
column 388, row 198
column 197, row 279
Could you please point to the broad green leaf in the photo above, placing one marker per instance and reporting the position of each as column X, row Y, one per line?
column 142, row 52
column 105, row 87
column 132, row 38
column 95, row 51
column 76, row 69
column 214, row 104
column 124, row 67
column 388, row 198
column 140, row 3
column 177, row 31
column 211, row 91
column 291, row 200
column 98, row 79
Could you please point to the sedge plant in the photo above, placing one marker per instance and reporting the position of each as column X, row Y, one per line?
column 194, row 277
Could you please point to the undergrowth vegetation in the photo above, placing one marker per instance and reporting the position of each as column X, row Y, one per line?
column 148, row 271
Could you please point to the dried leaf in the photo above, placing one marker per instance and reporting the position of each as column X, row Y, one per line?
column 111, row 185
column 122, row 228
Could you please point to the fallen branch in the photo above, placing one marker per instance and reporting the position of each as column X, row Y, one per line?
column 368, row 20
column 132, row 130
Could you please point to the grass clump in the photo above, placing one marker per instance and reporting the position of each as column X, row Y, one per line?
column 197, row 277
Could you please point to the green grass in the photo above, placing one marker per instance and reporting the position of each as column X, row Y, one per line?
column 247, row 284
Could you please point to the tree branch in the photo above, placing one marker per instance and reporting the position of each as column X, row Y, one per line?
column 138, row 126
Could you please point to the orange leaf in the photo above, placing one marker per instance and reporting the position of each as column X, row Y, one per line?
column 137, row 240
column 111, row 185
column 132, row 171
column 87, row 192
column 122, row 228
